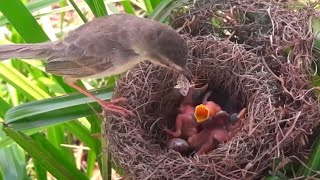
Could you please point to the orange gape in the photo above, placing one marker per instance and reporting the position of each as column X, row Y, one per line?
column 207, row 109
column 201, row 113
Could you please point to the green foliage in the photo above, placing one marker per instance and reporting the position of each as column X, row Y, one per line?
column 164, row 9
column 46, row 154
column 128, row 7
column 97, row 7
column 313, row 163
column 12, row 162
column 23, row 21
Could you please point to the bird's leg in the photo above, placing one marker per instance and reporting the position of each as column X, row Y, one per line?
column 207, row 147
column 106, row 105
column 180, row 120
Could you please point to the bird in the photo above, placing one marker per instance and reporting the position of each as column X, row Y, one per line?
column 106, row 46
column 185, row 122
column 206, row 109
column 220, row 129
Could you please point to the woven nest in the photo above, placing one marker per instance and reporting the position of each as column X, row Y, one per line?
column 266, row 62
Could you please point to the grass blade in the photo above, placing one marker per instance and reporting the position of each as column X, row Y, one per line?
column 76, row 8
column 32, row 7
column 6, row 140
column 4, row 107
column 55, row 110
column 155, row 3
column 164, row 8
column 128, row 7
column 148, row 6
column 40, row 171
column 81, row 132
column 23, row 21
column 314, row 161
column 12, row 161
column 97, row 7
column 21, row 83
column 56, row 137
column 90, row 162
column 46, row 154
column 96, row 129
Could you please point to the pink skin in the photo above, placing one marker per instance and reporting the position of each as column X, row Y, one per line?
column 213, row 107
column 213, row 133
column 185, row 125
column 207, row 140
column 217, row 129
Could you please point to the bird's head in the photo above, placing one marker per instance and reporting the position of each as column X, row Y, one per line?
column 168, row 48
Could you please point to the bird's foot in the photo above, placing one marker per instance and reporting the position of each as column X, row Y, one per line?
column 110, row 106
column 175, row 134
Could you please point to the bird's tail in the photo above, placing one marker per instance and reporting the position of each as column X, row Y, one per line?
column 26, row 51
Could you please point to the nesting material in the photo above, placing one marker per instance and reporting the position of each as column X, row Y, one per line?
column 263, row 64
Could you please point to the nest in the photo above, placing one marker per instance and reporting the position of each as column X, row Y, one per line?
column 266, row 61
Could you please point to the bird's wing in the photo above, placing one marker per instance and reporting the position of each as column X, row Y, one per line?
column 88, row 52
column 78, row 67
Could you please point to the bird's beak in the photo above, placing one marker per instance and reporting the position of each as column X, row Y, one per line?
column 186, row 73
column 201, row 113
column 183, row 71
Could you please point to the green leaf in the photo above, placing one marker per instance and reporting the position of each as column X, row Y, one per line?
column 46, row 154
column 12, row 161
column 20, row 82
column 32, row 7
column 275, row 176
column 40, row 171
column 164, row 8
column 55, row 110
column 155, row 3
column 90, row 162
column 56, row 136
column 272, row 177
column 316, row 31
column 96, row 129
column 39, row 4
column 97, row 7
column 128, row 7
column 81, row 132
column 4, row 107
column 148, row 6
column 6, row 140
column 76, row 8
column 314, row 161
column 23, row 21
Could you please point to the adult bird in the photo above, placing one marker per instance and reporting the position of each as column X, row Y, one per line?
column 103, row 47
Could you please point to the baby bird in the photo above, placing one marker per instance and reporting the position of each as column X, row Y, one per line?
column 186, row 125
column 208, row 139
column 220, row 129
column 206, row 110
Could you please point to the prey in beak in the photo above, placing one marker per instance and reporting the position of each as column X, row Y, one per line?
column 184, row 82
